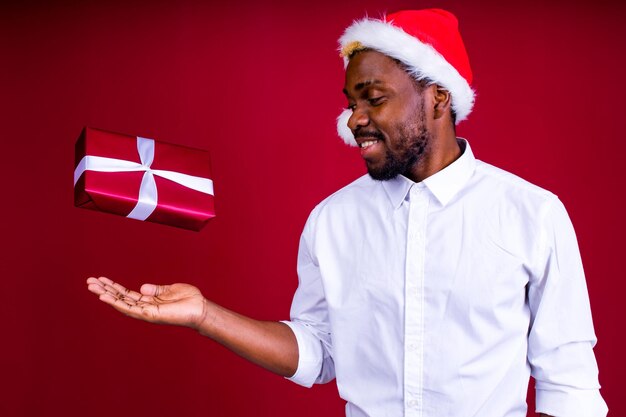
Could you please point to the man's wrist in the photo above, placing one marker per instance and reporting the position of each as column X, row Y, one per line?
column 206, row 320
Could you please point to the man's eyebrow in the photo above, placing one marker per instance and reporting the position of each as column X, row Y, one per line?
column 363, row 84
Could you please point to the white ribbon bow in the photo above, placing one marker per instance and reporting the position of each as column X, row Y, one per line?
column 148, row 195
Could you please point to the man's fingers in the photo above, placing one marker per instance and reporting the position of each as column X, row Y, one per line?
column 134, row 295
column 115, row 288
column 96, row 289
column 115, row 302
column 92, row 280
column 96, row 286
column 106, row 280
column 103, row 284
column 128, row 306
column 131, row 303
column 131, row 298
column 153, row 290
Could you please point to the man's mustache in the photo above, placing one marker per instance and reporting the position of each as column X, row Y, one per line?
column 368, row 134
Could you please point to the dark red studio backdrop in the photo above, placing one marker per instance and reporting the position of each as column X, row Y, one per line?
column 259, row 85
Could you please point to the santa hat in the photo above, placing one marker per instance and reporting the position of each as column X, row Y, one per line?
column 427, row 41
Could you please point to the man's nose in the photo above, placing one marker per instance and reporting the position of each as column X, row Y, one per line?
column 358, row 119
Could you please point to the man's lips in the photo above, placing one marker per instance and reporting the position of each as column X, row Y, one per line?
column 367, row 139
column 369, row 142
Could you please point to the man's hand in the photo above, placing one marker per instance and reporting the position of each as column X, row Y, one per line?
column 177, row 304
column 269, row 344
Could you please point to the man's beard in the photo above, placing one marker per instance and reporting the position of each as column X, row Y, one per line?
column 411, row 147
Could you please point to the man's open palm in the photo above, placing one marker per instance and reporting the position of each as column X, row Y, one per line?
column 177, row 304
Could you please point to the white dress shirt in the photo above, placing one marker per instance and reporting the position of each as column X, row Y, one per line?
column 440, row 298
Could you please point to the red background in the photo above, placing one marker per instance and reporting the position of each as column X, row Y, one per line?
column 259, row 85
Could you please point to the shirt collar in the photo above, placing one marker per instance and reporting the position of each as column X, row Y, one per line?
column 443, row 184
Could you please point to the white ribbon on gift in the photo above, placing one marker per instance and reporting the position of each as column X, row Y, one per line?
column 148, row 195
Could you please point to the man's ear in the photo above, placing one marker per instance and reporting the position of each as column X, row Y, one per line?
column 443, row 101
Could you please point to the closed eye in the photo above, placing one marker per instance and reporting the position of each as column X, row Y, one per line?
column 376, row 101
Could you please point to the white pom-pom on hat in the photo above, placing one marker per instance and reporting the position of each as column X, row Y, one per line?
column 343, row 130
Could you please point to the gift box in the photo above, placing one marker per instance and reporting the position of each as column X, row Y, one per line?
column 143, row 179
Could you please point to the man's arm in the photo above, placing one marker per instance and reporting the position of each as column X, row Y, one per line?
column 561, row 337
column 271, row 345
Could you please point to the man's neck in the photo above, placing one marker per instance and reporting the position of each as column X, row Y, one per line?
column 439, row 153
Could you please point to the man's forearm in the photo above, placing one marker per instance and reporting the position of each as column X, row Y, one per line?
column 269, row 344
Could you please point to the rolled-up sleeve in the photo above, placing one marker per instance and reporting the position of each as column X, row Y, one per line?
column 562, row 337
column 309, row 318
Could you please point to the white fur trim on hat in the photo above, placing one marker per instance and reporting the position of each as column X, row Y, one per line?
column 342, row 128
column 423, row 61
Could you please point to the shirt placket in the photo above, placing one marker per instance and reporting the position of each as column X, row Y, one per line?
column 414, row 302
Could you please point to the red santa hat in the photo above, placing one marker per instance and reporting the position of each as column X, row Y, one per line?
column 427, row 41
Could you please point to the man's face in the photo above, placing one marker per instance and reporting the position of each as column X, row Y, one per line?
column 388, row 119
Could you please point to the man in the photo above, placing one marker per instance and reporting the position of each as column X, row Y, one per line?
column 435, row 285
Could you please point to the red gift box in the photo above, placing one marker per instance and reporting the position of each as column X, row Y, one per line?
column 143, row 179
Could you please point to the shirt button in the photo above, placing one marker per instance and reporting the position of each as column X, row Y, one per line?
column 412, row 403
column 412, row 347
